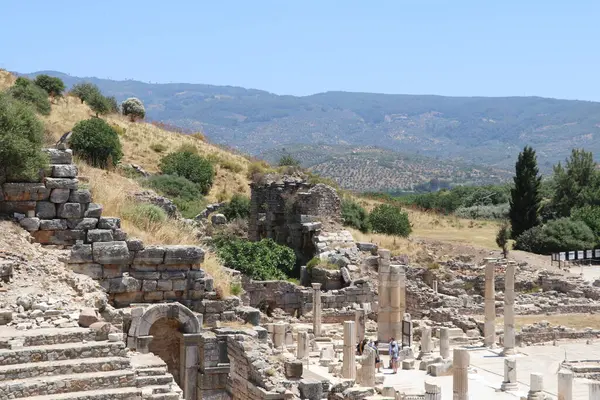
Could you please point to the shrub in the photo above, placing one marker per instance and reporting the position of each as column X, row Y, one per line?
column 96, row 142
column 288, row 161
column 26, row 91
column 502, row 237
column 562, row 234
column 186, row 195
column 256, row 169
column 236, row 288
column 499, row 211
column 590, row 215
column 99, row 104
column 187, row 148
column 113, row 106
column 354, row 215
column 238, row 207
column 158, row 147
column 391, row 220
column 85, row 90
column 21, row 141
column 134, row 108
column 52, row 85
column 191, row 166
column 264, row 260
column 315, row 261
column 144, row 216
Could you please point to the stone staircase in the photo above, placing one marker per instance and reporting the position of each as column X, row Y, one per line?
column 61, row 364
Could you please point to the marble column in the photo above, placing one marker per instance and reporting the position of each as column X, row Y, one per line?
column 302, row 349
column 489, row 333
column 435, row 285
column 426, row 343
column 367, row 370
column 460, row 375
column 143, row 344
column 360, row 317
column 445, row 343
column 536, row 387
column 278, row 335
column 189, row 358
column 383, row 311
column 317, row 310
column 510, row 375
column 565, row 385
column 594, row 390
column 397, row 288
column 509, row 309
column 433, row 391
column 349, row 360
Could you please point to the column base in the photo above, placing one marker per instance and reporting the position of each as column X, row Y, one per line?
column 509, row 386
column 508, row 352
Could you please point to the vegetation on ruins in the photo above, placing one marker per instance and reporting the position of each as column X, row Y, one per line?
column 21, row 141
column 354, row 215
column 288, row 161
column 263, row 260
column 237, row 207
column 96, row 142
column 190, row 166
column 525, row 197
column 186, row 194
column 28, row 92
column 133, row 108
column 385, row 218
column 52, row 85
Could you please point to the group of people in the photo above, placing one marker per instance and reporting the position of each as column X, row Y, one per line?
column 394, row 352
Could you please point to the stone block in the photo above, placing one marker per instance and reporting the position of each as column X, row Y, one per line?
column 109, row 223
column 310, row 389
column 149, row 285
column 80, row 196
column 102, row 329
column 114, row 270
column 164, row 285
column 61, row 183
column 30, row 224
column 53, row 224
column 64, row 171
column 120, row 234
column 293, row 369
column 21, row 207
column 82, row 223
column 127, row 298
column 153, row 275
column 172, row 275
column 150, row 255
column 81, row 253
column 25, row 191
column 135, row 244
column 123, row 284
column 93, row 210
column 183, row 255
column 60, row 156
column 179, row 284
column 87, row 317
column 110, row 252
column 45, row 209
column 99, row 235
column 153, row 296
column 70, row 210
column 92, row 270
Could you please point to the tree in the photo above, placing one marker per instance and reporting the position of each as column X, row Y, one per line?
column 502, row 238
column 134, row 108
column 96, row 142
column 21, row 141
column 238, row 207
column 525, row 197
column 85, row 90
column 52, row 85
column 288, row 161
column 391, row 220
column 190, row 166
column 577, row 184
column 354, row 215
column 113, row 106
column 561, row 234
column 26, row 91
column 99, row 104
column 590, row 215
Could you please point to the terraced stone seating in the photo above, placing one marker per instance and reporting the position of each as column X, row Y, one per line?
column 63, row 364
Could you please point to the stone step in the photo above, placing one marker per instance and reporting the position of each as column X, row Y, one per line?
column 151, row 371
column 154, row 380
column 128, row 393
column 66, row 383
column 63, row 367
column 166, row 392
column 48, row 336
column 163, row 396
column 65, row 351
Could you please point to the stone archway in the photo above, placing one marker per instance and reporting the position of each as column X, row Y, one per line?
column 182, row 322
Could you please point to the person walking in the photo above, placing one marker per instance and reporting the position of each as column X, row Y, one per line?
column 375, row 345
column 394, row 354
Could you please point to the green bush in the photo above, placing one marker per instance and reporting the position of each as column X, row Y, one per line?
column 85, row 90
column 264, row 260
column 186, row 195
column 26, row 91
column 236, row 288
column 562, row 234
column 391, row 220
column 191, row 166
column 288, row 161
column 590, row 215
column 134, row 108
column 113, row 106
column 145, row 216
column 52, row 85
column 499, row 211
column 315, row 261
column 238, row 207
column 99, row 104
column 158, row 147
column 96, row 142
column 21, row 141
column 354, row 215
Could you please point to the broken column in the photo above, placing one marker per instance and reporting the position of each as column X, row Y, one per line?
column 594, row 390
column 460, row 375
column 565, row 385
column 509, row 310
column 317, row 309
column 435, row 285
column 426, row 343
column 367, row 370
column 383, row 312
column 397, row 288
column 302, row 350
column 445, row 343
column 278, row 335
column 536, row 387
column 360, row 317
column 433, row 391
column 510, row 375
column 489, row 332
column 349, row 361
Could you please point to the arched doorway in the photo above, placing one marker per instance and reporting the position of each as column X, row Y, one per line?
column 172, row 332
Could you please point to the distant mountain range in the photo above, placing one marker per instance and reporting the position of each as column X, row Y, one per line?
column 469, row 130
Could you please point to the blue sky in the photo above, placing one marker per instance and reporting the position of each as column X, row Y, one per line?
column 460, row 48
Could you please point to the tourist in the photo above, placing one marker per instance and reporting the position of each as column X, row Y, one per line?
column 394, row 353
column 375, row 345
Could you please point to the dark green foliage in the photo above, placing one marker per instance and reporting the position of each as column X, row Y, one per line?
column 238, row 207
column 525, row 195
column 561, row 234
column 354, row 215
column 26, row 91
column 113, row 106
column 191, row 166
column 96, row 142
column 186, row 194
column 21, row 141
column 264, row 260
column 99, row 104
column 502, row 238
column 313, row 262
column 288, row 161
column 52, row 85
column 591, row 216
column 391, row 220
column 85, row 91
column 491, row 212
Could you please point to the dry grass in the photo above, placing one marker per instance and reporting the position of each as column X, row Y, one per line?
column 222, row 279
column 6, row 79
column 576, row 321
column 397, row 245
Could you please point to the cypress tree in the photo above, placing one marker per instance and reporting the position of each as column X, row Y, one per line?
column 525, row 196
